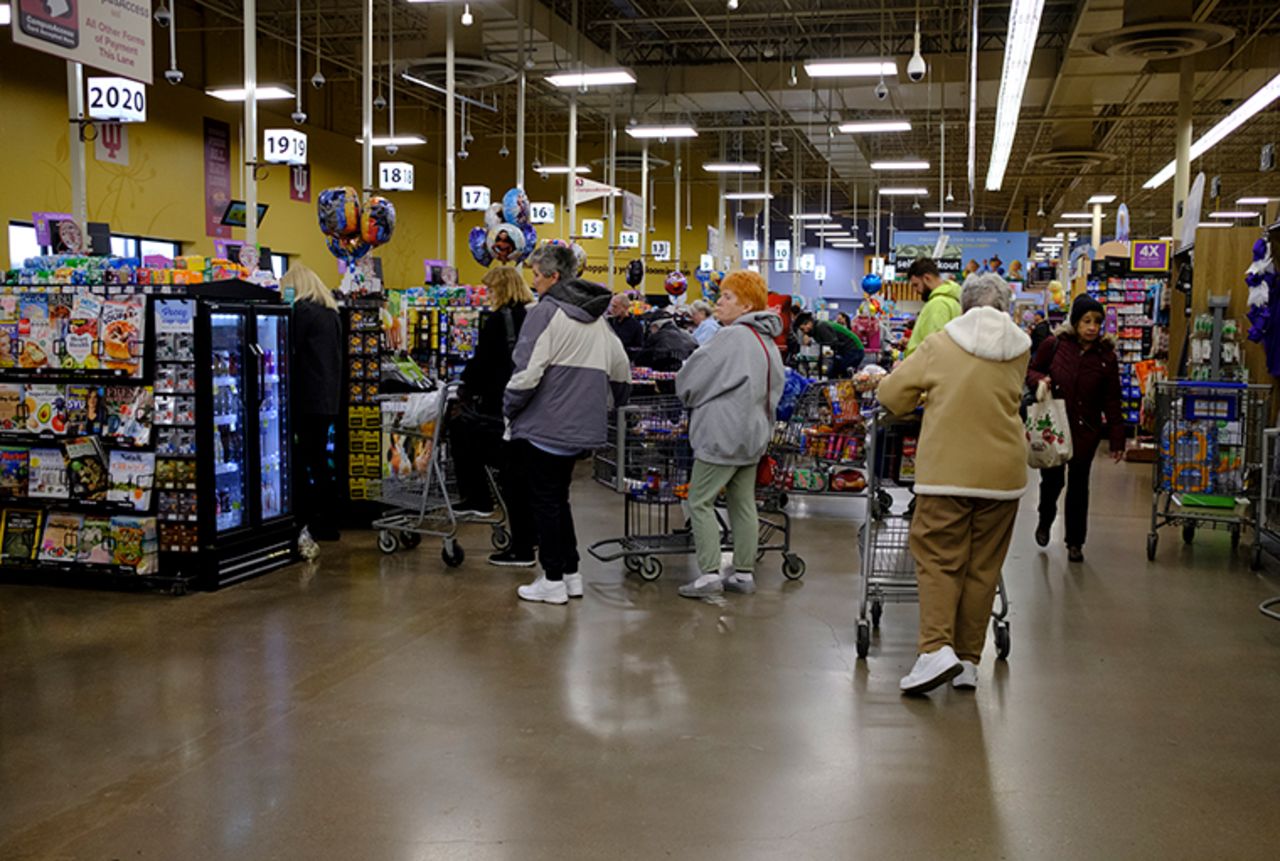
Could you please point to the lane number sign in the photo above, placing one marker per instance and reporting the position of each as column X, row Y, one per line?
column 284, row 146
column 542, row 213
column 395, row 176
column 660, row 250
column 628, row 239
column 807, row 263
column 592, row 228
column 475, row 198
column 820, row 273
column 117, row 99
column 750, row 249
column 781, row 255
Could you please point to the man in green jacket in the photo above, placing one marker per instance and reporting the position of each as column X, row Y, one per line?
column 941, row 300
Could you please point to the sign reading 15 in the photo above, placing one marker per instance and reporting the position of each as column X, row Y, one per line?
column 117, row 99
column 284, row 146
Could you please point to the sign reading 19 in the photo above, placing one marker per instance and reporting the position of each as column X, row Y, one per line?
column 285, row 146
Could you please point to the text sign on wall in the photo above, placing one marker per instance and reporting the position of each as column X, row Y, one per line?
column 542, row 213
column 110, row 35
column 284, row 146
column 475, row 198
column 395, row 176
column 117, row 99
column 628, row 239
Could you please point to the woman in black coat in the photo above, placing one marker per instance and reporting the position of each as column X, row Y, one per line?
column 317, row 393
column 1081, row 367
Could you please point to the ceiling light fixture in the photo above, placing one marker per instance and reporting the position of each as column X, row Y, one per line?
column 812, row 216
column 467, row 18
column 1255, row 201
column 4, row 15
column 1234, row 214
column 1019, row 43
column 944, row 225
column 563, row 169
column 748, row 195
column 900, row 165
column 1086, row 216
column 592, row 78
column 1101, row 198
column 872, row 126
column 946, row 215
column 850, row 68
column 904, row 192
column 1215, row 224
column 1269, row 93
column 397, row 140
column 650, row 132
column 731, row 167
column 732, row 5
column 264, row 93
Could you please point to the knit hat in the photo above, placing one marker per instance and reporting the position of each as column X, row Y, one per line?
column 1083, row 304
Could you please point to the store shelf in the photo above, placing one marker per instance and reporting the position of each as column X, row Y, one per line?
column 228, row 419
column 69, row 375
column 226, row 468
column 80, row 506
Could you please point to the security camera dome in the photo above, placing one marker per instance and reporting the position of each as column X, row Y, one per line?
column 173, row 76
column 882, row 91
column 317, row 80
column 298, row 117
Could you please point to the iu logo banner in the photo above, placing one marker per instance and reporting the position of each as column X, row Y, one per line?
column 300, row 182
column 112, row 144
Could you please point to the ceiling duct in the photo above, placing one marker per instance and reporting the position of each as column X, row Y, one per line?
column 472, row 67
column 1159, row 30
column 1073, row 148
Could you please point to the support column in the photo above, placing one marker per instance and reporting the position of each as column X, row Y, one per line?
column 718, row 252
column 1097, row 226
column 644, row 197
column 797, row 232
column 610, row 178
column 520, row 95
column 766, row 247
column 79, row 180
column 573, row 163
column 679, row 223
column 1182, row 172
column 450, row 142
column 251, row 120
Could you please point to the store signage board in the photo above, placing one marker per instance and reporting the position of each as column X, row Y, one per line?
column 750, row 249
column 44, row 222
column 706, row 263
column 117, row 99
column 395, row 176
column 284, row 146
column 105, row 34
column 592, row 228
column 820, row 272
column 475, row 198
column 660, row 249
column 807, row 263
column 781, row 255
column 1149, row 256
column 628, row 239
column 542, row 213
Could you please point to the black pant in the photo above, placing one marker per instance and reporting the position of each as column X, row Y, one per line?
column 1075, row 475
column 474, row 447
column 316, row 486
column 842, row 364
column 546, row 478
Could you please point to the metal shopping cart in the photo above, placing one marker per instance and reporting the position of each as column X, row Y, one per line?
column 1209, row 463
column 417, row 483
column 888, row 572
column 821, row 448
column 649, row 462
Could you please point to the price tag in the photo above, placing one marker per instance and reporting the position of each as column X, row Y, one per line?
column 117, row 99
column 706, row 263
column 395, row 176
column 781, row 255
column 660, row 250
column 284, row 146
column 542, row 213
column 750, row 249
column 628, row 239
column 475, row 198
column 807, row 262
column 820, row 272
column 592, row 228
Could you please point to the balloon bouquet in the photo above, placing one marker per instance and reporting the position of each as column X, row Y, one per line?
column 507, row 235
column 354, row 230
column 710, row 282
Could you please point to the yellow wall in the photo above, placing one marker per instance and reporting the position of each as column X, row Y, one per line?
column 161, row 192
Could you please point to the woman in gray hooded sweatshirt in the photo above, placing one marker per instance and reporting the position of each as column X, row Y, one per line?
column 731, row 385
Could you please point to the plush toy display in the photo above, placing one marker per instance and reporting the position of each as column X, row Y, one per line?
column 1263, row 285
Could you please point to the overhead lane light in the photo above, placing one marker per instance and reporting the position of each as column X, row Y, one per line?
column 946, row 215
column 1255, row 201
column 1258, row 101
column 397, row 140
column 1086, row 216
column 850, row 68
column 812, row 216
column 731, row 167
column 651, row 132
column 904, row 192
column 857, row 127
column 900, row 165
column 4, row 15
column 1067, row 224
column 1215, row 224
column 748, row 195
column 1234, row 214
column 563, row 169
column 1101, row 198
column 592, row 78
column 944, row 225
column 264, row 93
column 1024, row 24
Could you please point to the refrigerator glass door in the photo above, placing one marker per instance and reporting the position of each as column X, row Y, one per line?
column 229, row 359
column 275, row 474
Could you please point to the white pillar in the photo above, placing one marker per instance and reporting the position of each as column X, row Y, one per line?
column 1097, row 226
column 79, row 181
column 1182, row 159
column 678, row 172
column 797, row 232
column 766, row 250
column 644, row 197
column 520, row 93
column 573, row 163
column 366, row 99
column 250, row 122
column 610, row 178
column 450, row 141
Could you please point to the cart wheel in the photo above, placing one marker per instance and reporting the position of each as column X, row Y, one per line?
column 178, row 589
column 864, row 638
column 1152, row 541
column 1235, row 538
column 783, row 499
column 651, row 569
column 500, row 538
column 633, row 564
column 1001, row 631
column 1255, row 557
column 387, row 542
column 410, row 540
column 1188, row 532
column 452, row 554
column 877, row 610
column 792, row 566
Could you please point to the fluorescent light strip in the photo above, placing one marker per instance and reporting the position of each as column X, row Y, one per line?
column 1234, row 214
column 4, row 14
column 850, row 68
column 946, row 215
column 812, row 216
column 1086, row 216
column 1215, row 224
column 1101, row 198
column 837, row 234
column 899, row 165
column 1269, row 93
column 945, row 225
column 872, row 126
column 563, row 169
column 265, row 93
column 731, row 167
column 592, row 78
column 398, row 140
column 904, row 192
column 1024, row 24
column 1062, row 224
column 1255, row 201
column 748, row 195
column 650, row 132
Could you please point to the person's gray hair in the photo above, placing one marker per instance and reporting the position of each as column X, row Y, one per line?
column 701, row 305
column 986, row 290
column 550, row 259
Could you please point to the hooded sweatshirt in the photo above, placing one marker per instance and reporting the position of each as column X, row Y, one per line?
column 567, row 365
column 732, row 385
column 972, row 442
column 942, row 306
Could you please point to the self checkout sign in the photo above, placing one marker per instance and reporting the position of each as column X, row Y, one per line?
column 395, row 176
column 542, row 213
column 284, row 146
column 117, row 99
column 628, row 239
column 475, row 198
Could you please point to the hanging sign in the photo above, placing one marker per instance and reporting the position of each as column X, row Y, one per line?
column 284, row 146
column 300, row 183
column 750, row 249
column 628, row 239
column 631, row 208
column 112, row 144
column 660, row 250
column 781, row 255
column 1149, row 256
column 395, row 176
column 110, row 35
column 586, row 190
column 807, row 263
column 117, row 99
column 592, row 228
column 542, row 213
column 475, row 198
column 820, row 273
column 706, row 263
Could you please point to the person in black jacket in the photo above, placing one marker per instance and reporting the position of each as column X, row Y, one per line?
column 630, row 331
column 666, row 346
column 846, row 349
column 476, row 434
column 1040, row 332
column 317, row 395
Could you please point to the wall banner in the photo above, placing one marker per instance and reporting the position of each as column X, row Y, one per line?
column 111, row 35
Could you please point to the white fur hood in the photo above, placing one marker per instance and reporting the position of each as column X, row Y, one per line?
column 988, row 334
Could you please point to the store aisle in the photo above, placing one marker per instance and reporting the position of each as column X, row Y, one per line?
column 373, row 707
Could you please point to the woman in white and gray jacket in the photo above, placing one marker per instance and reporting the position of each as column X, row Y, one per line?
column 731, row 385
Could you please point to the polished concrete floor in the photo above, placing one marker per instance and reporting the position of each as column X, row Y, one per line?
column 381, row 707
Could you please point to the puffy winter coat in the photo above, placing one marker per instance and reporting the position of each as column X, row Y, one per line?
column 1089, row 382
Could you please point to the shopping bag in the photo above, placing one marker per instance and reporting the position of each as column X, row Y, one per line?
column 1048, row 431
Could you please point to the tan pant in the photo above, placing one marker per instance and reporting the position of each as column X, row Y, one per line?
column 959, row 544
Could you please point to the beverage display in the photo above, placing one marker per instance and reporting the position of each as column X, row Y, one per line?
column 227, row 347
column 273, row 417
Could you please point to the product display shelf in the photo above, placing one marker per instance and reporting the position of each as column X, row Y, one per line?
column 1136, row 309
column 357, row 438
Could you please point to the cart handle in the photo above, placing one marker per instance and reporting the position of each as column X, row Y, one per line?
column 1206, row 384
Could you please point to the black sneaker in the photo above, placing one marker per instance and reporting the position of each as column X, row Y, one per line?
column 1042, row 536
column 511, row 559
column 1075, row 554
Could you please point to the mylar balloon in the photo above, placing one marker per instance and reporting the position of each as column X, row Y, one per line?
column 515, row 206
column 506, row 243
column 377, row 221
column 675, row 284
column 338, row 211
column 477, row 241
column 871, row 284
column 635, row 273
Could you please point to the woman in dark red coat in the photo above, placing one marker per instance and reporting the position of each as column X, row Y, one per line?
column 1081, row 367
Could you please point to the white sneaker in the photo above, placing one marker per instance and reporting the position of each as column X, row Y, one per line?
column 573, row 585
column 741, row 582
column 931, row 670
column 308, row 549
column 968, row 678
column 546, row 591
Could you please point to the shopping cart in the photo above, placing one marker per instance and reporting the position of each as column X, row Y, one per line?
column 1269, row 515
column 821, row 448
column 417, row 484
column 649, row 462
column 1209, row 460
column 888, row 572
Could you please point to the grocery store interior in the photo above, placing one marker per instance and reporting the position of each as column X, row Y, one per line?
column 236, row 624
